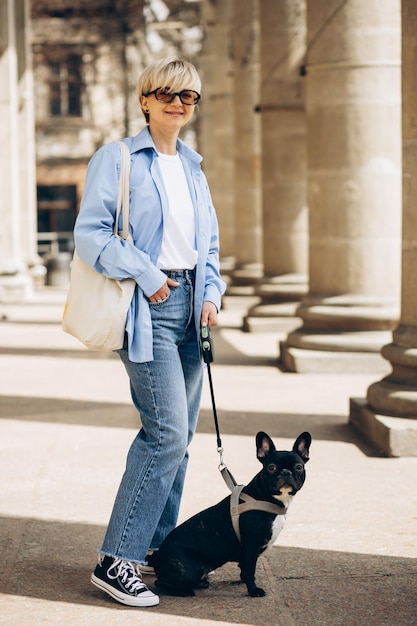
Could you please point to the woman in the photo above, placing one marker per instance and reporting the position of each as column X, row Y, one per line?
column 174, row 260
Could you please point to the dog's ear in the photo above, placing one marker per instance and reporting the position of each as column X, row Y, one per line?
column 264, row 445
column 302, row 446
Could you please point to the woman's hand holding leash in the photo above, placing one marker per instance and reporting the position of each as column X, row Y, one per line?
column 209, row 314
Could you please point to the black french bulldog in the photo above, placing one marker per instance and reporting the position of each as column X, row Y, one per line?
column 209, row 539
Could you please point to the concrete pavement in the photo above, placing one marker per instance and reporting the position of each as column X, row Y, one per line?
column 347, row 555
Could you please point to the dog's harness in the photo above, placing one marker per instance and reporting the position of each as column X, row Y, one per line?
column 249, row 504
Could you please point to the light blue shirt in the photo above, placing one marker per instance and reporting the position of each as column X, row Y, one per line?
column 99, row 247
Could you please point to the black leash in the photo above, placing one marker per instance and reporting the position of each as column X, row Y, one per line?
column 249, row 503
column 207, row 349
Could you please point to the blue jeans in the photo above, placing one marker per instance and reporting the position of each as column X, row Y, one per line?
column 167, row 394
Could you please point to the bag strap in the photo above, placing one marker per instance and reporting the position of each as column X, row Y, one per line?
column 123, row 193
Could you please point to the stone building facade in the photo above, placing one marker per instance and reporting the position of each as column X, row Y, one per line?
column 87, row 56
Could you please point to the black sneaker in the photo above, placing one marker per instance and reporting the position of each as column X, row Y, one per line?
column 123, row 582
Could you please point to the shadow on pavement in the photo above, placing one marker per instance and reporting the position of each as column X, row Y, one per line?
column 105, row 414
column 225, row 353
column 52, row 561
column 57, row 352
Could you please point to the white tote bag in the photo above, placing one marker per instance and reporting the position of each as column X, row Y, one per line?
column 96, row 308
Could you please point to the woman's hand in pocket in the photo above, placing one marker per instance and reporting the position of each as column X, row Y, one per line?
column 163, row 292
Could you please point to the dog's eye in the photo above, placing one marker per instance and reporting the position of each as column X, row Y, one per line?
column 272, row 468
column 299, row 467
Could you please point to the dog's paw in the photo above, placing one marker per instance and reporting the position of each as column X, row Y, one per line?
column 256, row 592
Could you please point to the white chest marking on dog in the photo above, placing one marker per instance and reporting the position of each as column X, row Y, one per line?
column 277, row 526
column 279, row 521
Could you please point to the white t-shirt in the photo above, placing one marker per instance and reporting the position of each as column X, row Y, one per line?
column 178, row 250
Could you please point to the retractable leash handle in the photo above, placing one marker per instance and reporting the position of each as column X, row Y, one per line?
column 207, row 350
column 206, row 344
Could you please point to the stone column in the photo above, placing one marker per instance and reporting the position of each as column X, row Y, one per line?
column 217, row 119
column 26, row 128
column 281, row 106
column 17, row 154
column 205, row 112
column 353, row 97
column 247, row 146
column 388, row 417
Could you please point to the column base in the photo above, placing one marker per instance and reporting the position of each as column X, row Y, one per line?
column 16, row 282
column 227, row 264
column 328, row 352
column 393, row 436
column 247, row 274
column 348, row 313
column 303, row 361
column 271, row 318
column 282, row 288
column 393, row 398
column 243, row 280
column 279, row 298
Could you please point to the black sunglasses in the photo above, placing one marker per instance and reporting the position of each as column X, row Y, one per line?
column 163, row 94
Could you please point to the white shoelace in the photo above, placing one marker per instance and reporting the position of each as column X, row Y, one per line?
column 128, row 575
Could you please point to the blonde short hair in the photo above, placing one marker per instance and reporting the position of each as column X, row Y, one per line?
column 177, row 74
